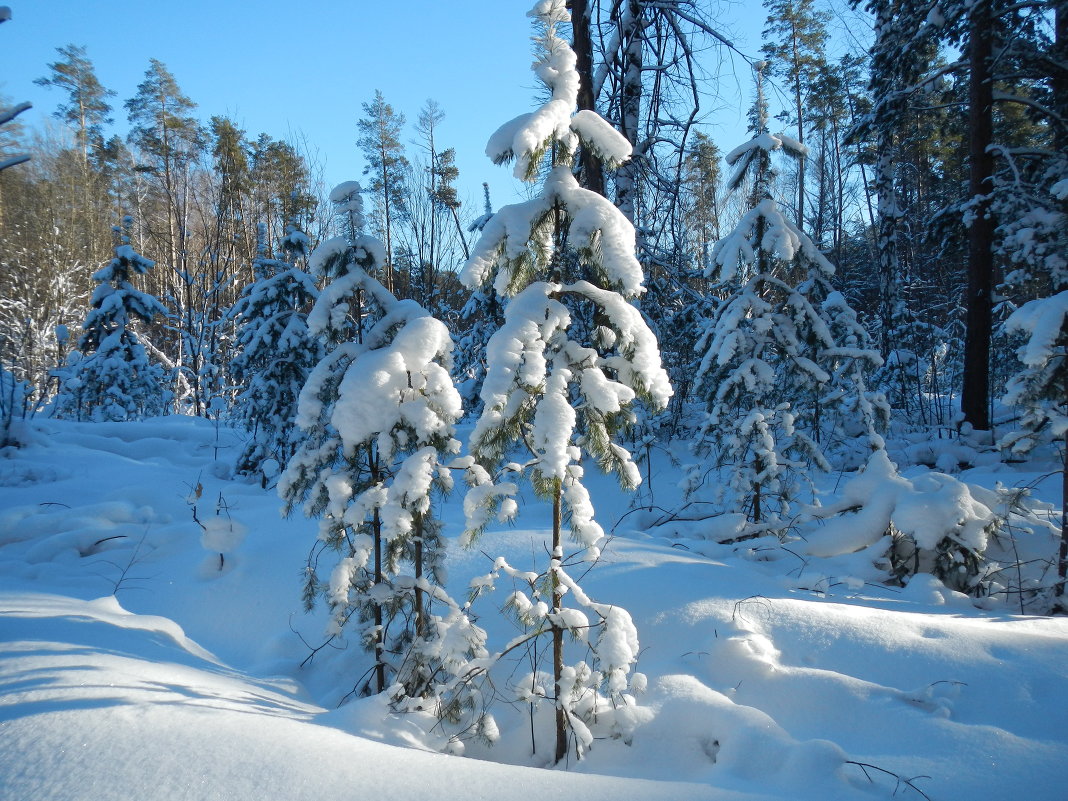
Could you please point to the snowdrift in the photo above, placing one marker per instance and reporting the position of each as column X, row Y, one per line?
column 134, row 662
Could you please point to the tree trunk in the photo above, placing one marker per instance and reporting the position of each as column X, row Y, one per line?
column 630, row 105
column 592, row 176
column 976, row 391
column 799, row 110
column 376, row 530
column 1062, row 557
column 1060, row 103
column 420, row 612
column 558, row 633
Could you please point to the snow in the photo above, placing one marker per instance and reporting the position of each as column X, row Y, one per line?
column 124, row 669
column 781, row 240
column 596, row 227
column 345, row 191
column 607, row 143
column 1043, row 320
column 526, row 138
column 928, row 508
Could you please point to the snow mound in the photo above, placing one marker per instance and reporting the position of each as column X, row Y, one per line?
column 97, row 704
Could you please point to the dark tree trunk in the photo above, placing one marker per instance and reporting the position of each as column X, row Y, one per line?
column 380, row 634
column 558, row 633
column 976, row 392
column 592, row 176
column 1060, row 103
column 1062, row 556
column 420, row 611
column 1060, row 100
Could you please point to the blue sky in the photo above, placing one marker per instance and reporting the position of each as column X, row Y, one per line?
column 304, row 69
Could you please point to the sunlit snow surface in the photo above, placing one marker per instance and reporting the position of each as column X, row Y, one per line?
column 135, row 663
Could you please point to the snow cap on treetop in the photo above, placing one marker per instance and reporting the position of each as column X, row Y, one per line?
column 344, row 191
column 529, row 136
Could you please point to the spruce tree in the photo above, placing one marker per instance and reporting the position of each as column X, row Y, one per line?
column 113, row 378
column 784, row 356
column 275, row 353
column 481, row 315
column 1040, row 391
column 377, row 417
column 564, row 371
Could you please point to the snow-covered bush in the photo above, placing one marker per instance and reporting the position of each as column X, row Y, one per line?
column 970, row 538
column 929, row 524
column 14, row 409
column 112, row 378
column 563, row 373
column 1040, row 391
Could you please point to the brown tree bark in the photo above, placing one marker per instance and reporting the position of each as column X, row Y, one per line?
column 975, row 397
column 558, row 633
column 592, row 175
column 380, row 635
column 1060, row 101
column 1062, row 556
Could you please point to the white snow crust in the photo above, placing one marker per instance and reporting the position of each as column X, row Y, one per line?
column 760, row 681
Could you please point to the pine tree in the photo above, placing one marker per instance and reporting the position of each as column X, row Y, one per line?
column 86, row 110
column 275, row 353
column 377, row 416
column 168, row 140
column 795, row 38
column 702, row 189
column 380, row 141
column 565, row 261
column 280, row 185
column 784, row 356
column 114, row 379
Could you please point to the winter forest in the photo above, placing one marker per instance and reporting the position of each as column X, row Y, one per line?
column 692, row 468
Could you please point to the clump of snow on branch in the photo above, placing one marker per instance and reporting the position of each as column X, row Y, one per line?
column 528, row 137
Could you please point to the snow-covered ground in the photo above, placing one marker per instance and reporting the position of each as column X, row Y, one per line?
column 135, row 663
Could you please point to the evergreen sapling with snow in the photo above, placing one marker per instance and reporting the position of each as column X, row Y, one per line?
column 113, row 378
column 275, row 353
column 1038, row 242
column 377, row 417
column 784, row 357
column 563, row 258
